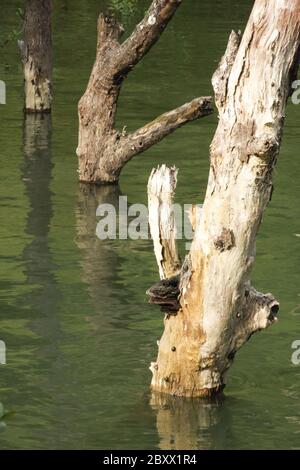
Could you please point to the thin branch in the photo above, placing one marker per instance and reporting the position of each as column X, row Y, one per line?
column 145, row 35
column 155, row 131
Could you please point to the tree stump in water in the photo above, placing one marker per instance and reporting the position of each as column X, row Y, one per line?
column 36, row 53
column 219, row 309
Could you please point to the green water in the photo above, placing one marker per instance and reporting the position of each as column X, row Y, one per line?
column 73, row 311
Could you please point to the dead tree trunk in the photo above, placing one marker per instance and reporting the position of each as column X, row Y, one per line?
column 102, row 150
column 36, row 51
column 219, row 309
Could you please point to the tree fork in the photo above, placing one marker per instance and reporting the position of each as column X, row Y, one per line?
column 102, row 150
column 219, row 309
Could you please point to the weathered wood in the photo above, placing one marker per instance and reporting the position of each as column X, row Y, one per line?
column 219, row 308
column 102, row 150
column 161, row 191
column 153, row 132
column 36, row 52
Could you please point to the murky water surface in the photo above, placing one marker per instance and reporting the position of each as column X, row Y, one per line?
column 73, row 310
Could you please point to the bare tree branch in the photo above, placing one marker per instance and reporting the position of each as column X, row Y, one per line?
column 153, row 132
column 145, row 35
column 102, row 150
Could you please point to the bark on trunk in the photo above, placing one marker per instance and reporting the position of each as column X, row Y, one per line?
column 102, row 150
column 36, row 52
column 219, row 309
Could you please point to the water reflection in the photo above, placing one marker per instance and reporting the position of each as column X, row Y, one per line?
column 33, row 345
column 107, row 265
column 2, row 416
column 189, row 424
column 36, row 174
column 99, row 260
column 44, row 296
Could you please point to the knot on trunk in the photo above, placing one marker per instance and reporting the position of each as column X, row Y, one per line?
column 265, row 146
column 225, row 241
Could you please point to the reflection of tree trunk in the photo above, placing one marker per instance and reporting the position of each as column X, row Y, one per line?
column 37, row 257
column 99, row 262
column 37, row 173
column 185, row 423
column 89, row 198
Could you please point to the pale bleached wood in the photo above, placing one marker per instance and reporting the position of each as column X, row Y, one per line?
column 219, row 309
column 161, row 190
